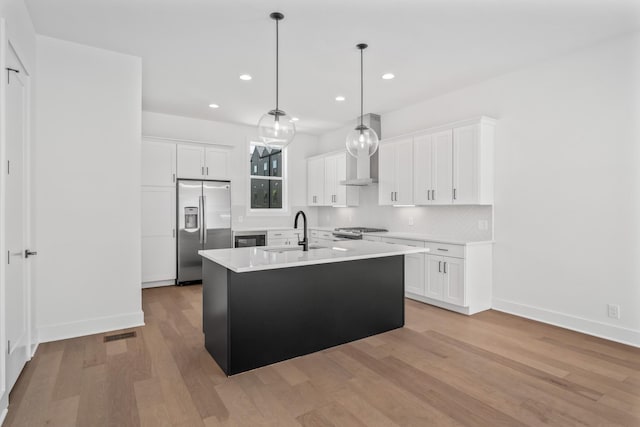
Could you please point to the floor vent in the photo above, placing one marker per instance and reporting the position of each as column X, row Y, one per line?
column 117, row 337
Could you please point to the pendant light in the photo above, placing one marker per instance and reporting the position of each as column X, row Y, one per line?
column 275, row 128
column 362, row 140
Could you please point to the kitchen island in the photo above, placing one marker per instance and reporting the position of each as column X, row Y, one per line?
column 262, row 305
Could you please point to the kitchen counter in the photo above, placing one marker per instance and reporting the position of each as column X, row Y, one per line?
column 242, row 260
column 244, row 229
column 427, row 237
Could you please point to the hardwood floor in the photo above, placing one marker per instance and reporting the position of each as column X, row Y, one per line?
column 491, row 369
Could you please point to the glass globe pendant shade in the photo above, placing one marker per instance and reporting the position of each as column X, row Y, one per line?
column 276, row 129
column 362, row 141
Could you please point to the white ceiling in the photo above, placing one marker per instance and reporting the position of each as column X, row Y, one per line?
column 194, row 50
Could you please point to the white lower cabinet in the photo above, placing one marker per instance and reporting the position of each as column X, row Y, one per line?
column 289, row 237
column 445, row 280
column 460, row 280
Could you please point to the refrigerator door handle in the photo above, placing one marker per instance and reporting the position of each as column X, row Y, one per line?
column 204, row 220
column 201, row 221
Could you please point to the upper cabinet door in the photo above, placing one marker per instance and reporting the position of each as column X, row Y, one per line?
column 403, row 172
column 341, row 175
column 386, row 174
column 465, row 164
column 422, row 165
column 158, row 163
column 315, row 182
column 442, row 168
column 216, row 163
column 191, row 162
column 330, row 172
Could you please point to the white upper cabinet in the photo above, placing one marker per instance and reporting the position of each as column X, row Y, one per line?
column 191, row 162
column 315, row 182
column 198, row 162
column 395, row 172
column 216, row 163
column 158, row 163
column 473, row 164
column 324, row 175
column 433, row 168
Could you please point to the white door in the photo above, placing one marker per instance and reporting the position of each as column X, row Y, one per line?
column 216, row 163
column 414, row 273
column 315, row 182
column 16, row 292
column 190, row 162
column 330, row 172
column 433, row 273
column 386, row 174
column 422, row 164
column 453, row 273
column 465, row 164
column 158, row 234
column 442, row 168
column 158, row 163
column 341, row 175
column 404, row 172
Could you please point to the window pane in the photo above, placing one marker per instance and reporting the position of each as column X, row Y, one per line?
column 259, row 193
column 276, row 163
column 275, row 194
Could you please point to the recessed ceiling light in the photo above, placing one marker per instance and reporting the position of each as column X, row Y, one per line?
column 340, row 98
column 245, row 77
column 388, row 76
column 214, row 106
column 294, row 119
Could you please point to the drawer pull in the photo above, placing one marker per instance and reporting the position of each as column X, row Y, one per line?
column 445, row 267
column 443, row 250
column 439, row 266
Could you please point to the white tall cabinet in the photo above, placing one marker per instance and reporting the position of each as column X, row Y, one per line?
column 158, row 212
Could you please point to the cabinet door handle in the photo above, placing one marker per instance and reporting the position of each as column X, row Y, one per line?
column 428, row 194
column 202, row 169
column 392, row 196
column 454, row 194
column 443, row 250
column 396, row 196
column 439, row 266
column 174, row 177
column 207, row 170
column 433, row 194
column 445, row 267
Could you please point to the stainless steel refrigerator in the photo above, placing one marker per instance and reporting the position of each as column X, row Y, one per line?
column 204, row 222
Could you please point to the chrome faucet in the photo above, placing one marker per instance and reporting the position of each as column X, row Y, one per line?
column 305, row 241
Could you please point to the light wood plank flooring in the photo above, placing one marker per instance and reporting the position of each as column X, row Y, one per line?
column 491, row 369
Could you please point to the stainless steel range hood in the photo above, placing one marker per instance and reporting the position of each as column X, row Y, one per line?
column 366, row 167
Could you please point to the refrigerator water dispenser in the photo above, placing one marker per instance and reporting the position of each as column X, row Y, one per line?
column 190, row 218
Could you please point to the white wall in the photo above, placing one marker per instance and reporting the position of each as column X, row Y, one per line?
column 87, row 174
column 567, row 198
column 237, row 136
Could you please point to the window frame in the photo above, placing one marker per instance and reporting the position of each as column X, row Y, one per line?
column 285, row 209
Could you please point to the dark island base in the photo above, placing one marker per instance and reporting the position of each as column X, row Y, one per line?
column 259, row 318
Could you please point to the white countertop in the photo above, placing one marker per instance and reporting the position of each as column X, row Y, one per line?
column 311, row 227
column 428, row 238
column 242, row 260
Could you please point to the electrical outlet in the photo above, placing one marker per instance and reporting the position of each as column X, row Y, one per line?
column 410, row 220
column 483, row 224
column 613, row 311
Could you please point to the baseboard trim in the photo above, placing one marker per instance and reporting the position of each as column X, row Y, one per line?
column 590, row 327
column 3, row 415
column 158, row 283
column 34, row 348
column 96, row 325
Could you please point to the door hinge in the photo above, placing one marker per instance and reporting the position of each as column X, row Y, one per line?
column 9, row 74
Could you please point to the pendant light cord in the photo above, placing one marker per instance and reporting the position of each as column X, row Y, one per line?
column 361, row 86
column 277, row 65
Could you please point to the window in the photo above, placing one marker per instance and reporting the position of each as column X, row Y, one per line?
column 267, row 181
